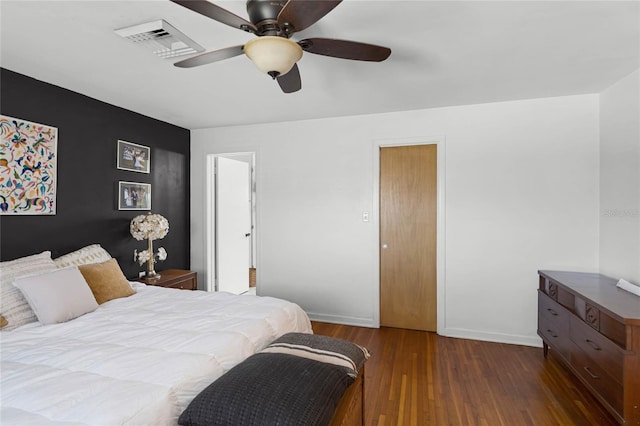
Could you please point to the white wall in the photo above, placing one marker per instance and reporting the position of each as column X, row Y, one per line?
column 620, row 179
column 521, row 195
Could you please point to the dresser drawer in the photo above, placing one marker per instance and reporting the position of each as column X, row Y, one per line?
column 598, row 379
column 600, row 349
column 553, row 325
column 552, row 309
column 183, row 285
column 555, row 336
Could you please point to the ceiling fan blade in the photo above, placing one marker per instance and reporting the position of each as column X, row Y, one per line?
column 210, row 57
column 345, row 49
column 218, row 13
column 301, row 14
column 290, row 82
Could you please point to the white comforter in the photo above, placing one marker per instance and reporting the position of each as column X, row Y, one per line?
column 139, row 360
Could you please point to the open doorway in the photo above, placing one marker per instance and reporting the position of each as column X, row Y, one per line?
column 231, row 223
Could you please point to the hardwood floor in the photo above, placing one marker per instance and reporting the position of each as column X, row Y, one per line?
column 420, row 378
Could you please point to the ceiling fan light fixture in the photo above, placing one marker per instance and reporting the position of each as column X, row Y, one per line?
column 273, row 55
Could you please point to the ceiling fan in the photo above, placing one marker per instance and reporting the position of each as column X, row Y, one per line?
column 274, row 22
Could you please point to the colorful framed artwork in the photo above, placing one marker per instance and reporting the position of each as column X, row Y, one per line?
column 134, row 196
column 133, row 157
column 28, row 162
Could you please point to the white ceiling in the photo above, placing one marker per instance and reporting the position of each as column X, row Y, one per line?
column 444, row 53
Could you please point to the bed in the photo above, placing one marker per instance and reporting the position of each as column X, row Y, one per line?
column 140, row 359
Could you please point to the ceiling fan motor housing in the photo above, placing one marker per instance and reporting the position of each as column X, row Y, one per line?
column 264, row 15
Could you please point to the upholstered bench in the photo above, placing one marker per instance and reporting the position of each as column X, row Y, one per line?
column 299, row 379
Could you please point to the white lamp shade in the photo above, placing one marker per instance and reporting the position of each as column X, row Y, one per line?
column 273, row 54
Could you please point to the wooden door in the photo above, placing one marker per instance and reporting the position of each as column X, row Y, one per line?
column 408, row 197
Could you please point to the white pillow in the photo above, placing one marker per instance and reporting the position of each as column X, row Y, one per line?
column 57, row 296
column 13, row 306
column 84, row 256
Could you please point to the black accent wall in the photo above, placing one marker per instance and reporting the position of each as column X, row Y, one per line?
column 87, row 211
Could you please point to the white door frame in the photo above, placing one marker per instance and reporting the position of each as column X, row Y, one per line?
column 210, row 212
column 440, row 226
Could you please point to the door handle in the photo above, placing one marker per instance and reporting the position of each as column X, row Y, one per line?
column 247, row 234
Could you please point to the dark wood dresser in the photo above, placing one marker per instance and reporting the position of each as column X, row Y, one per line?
column 594, row 328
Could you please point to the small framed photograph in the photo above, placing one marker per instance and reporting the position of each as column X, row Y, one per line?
column 133, row 157
column 134, row 196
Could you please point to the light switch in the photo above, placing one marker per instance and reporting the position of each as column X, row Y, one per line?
column 365, row 216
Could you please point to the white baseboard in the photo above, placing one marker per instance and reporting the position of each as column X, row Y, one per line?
column 459, row 333
column 514, row 339
column 345, row 320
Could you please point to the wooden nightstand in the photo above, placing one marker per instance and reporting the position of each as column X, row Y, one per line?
column 175, row 278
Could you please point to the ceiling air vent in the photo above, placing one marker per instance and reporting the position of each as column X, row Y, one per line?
column 161, row 38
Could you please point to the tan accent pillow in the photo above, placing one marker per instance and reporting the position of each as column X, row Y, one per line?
column 106, row 280
column 3, row 321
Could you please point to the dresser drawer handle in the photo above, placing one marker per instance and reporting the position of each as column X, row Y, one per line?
column 593, row 345
column 552, row 333
column 552, row 312
column 593, row 376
